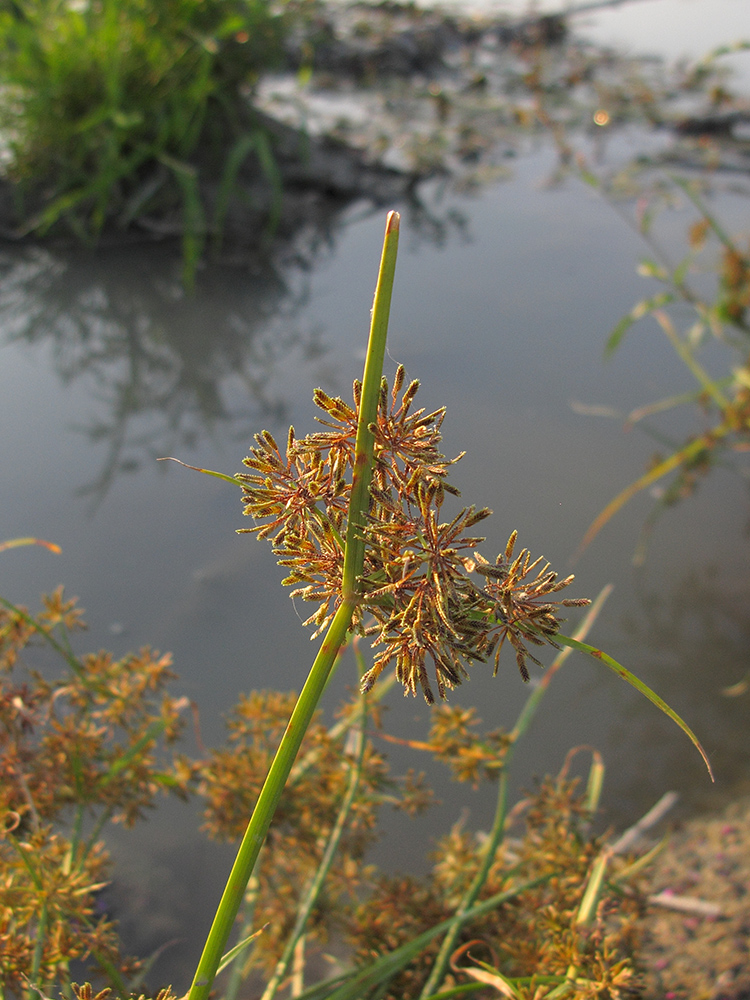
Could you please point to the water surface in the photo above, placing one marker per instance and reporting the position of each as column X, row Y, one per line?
column 502, row 305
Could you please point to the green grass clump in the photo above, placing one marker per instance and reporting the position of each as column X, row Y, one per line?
column 106, row 102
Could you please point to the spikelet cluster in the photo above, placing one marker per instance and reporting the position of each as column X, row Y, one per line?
column 419, row 602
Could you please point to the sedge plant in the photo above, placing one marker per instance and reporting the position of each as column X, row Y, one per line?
column 353, row 512
column 82, row 744
column 557, row 897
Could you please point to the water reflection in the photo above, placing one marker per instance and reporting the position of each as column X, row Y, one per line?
column 693, row 645
column 166, row 368
column 160, row 364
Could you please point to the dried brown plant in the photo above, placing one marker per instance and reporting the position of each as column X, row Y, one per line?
column 231, row 779
column 76, row 749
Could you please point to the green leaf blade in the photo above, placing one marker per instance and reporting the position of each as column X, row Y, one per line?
column 638, row 684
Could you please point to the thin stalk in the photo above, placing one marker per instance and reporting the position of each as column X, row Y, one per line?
column 265, row 807
column 112, row 971
column 36, row 964
column 496, row 835
column 77, row 831
column 532, row 702
column 268, row 800
column 368, row 412
column 94, row 835
column 334, row 839
column 236, row 975
column 682, row 457
column 392, row 962
column 685, row 354
column 670, row 402
column 50, row 638
column 713, row 222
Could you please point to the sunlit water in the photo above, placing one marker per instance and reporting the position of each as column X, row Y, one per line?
column 502, row 305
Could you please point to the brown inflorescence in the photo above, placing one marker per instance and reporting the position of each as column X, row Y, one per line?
column 536, row 937
column 231, row 779
column 88, row 743
column 417, row 598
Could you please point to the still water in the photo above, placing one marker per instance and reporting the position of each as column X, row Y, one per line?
column 502, row 305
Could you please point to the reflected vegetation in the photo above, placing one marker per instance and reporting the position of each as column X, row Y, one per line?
column 160, row 364
column 167, row 368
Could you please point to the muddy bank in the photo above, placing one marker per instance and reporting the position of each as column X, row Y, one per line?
column 697, row 955
column 310, row 177
column 373, row 98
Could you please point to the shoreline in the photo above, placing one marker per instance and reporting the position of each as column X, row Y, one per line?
column 689, row 956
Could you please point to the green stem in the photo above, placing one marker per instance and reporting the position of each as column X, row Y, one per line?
column 368, row 412
column 686, row 355
column 490, row 850
column 36, row 964
column 248, row 922
column 268, row 800
column 47, row 635
column 94, row 835
column 334, row 839
column 265, row 807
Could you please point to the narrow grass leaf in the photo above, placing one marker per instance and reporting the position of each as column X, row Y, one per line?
column 644, row 689
column 238, row 949
column 638, row 312
column 237, row 155
column 193, row 217
column 153, row 732
column 594, row 784
column 456, row 991
column 680, row 457
column 207, row 472
column 593, row 890
column 482, row 972
column 326, row 988
column 273, row 175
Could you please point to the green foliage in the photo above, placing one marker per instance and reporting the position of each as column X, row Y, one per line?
column 105, row 102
